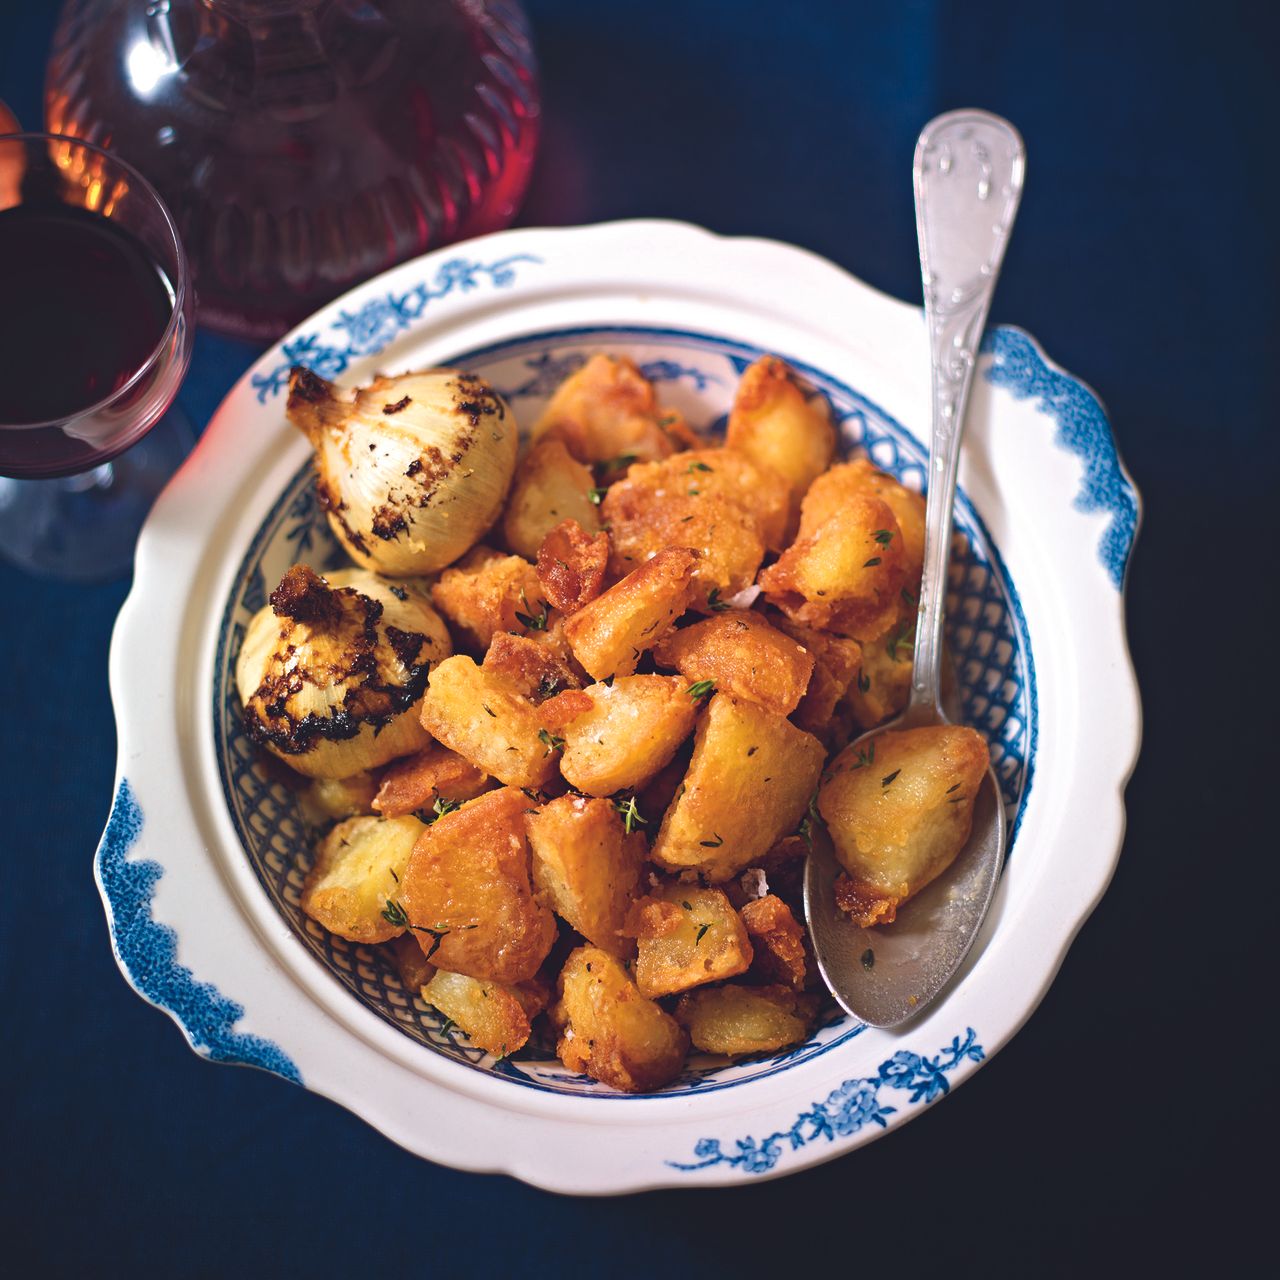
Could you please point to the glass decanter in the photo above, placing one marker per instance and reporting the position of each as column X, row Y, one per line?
column 304, row 145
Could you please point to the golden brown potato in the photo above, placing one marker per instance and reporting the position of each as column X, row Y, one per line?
column 550, row 486
column 332, row 799
column 587, row 868
column 882, row 687
column 609, row 634
column 534, row 670
column 744, row 655
column 739, row 1020
column 833, row 490
column 356, row 869
column 412, row 965
column 481, row 716
column 781, row 429
column 467, row 894
column 899, row 815
column 605, row 410
column 686, row 936
column 836, row 663
column 571, row 565
column 417, row 782
column 777, row 940
column 490, row 1013
column 713, row 500
column 634, row 726
column 846, row 575
column 609, row 1031
column 749, row 782
column 487, row 592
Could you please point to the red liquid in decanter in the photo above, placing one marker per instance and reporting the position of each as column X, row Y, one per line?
column 305, row 145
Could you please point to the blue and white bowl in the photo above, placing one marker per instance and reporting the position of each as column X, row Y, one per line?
column 203, row 859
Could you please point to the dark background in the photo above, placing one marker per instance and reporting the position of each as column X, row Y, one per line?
column 1121, row 1125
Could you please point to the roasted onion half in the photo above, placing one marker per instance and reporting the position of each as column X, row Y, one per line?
column 332, row 672
column 411, row 470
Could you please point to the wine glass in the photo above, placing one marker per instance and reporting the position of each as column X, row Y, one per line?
column 95, row 338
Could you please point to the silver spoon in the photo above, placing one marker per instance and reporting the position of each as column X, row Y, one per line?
column 968, row 179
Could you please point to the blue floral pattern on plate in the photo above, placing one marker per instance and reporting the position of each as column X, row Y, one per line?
column 846, row 1110
column 148, row 951
column 696, row 374
column 370, row 329
column 1083, row 429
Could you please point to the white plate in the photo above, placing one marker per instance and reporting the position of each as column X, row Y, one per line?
column 202, row 857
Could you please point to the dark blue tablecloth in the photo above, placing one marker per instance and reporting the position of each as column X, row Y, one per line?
column 1116, row 1127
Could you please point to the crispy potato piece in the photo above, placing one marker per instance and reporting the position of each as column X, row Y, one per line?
column 744, row 655
column 634, row 726
column 609, row 634
column 467, row 894
column 898, row 819
column 686, row 936
column 411, row 964
column 681, row 435
column 833, row 490
column 571, row 565
column 713, row 500
column 609, row 1031
column 777, row 940
column 330, row 799
column 739, row 1020
column 535, row 671
column 883, row 686
column 490, row 1013
column 587, row 868
column 355, row 872
column 749, row 782
column 550, row 486
column 417, row 781
column 481, row 716
column 846, row 575
column 837, row 661
column 782, row 430
column 484, row 592
column 605, row 410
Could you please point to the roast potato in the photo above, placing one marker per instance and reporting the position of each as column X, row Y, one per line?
column 609, row 634
column 550, row 486
column 572, row 565
column 686, row 936
column 490, row 1013
column 834, row 490
column 606, row 410
column 481, row 716
column 744, row 655
column 777, row 942
column 899, row 816
column 358, row 866
column 749, row 782
column 738, row 1020
column 633, row 727
column 609, row 1031
column 784, row 431
column 487, row 592
column 467, row 894
column 332, row 799
column 586, row 867
column 418, row 781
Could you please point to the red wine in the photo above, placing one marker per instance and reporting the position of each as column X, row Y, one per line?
column 82, row 307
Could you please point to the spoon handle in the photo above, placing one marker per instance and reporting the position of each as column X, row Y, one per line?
column 969, row 167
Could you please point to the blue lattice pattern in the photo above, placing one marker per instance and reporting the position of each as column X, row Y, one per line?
column 696, row 374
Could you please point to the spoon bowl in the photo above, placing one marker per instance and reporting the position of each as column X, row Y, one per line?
column 969, row 168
